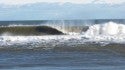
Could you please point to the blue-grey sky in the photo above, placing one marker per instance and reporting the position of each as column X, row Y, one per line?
column 61, row 9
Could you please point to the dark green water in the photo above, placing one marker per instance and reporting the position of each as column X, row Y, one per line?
column 29, row 30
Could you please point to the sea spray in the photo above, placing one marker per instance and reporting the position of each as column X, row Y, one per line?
column 107, row 32
column 96, row 35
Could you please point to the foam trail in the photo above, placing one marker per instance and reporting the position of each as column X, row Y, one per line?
column 39, row 41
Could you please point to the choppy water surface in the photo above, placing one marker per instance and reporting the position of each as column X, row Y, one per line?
column 38, row 60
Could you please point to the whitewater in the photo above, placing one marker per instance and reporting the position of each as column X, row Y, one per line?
column 62, row 45
column 102, row 34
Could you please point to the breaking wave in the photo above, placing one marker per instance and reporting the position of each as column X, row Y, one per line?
column 108, row 35
column 110, row 31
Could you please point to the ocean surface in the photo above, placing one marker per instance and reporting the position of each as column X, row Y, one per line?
column 62, row 45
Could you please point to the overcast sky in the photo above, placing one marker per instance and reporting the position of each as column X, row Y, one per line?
column 61, row 9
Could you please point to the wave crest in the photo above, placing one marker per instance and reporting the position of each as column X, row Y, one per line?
column 107, row 32
column 100, row 34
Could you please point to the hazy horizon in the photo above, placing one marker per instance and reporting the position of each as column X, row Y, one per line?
column 61, row 9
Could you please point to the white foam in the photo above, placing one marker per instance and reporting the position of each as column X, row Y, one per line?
column 108, row 32
column 24, row 40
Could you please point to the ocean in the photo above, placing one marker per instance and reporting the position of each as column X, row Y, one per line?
column 96, row 44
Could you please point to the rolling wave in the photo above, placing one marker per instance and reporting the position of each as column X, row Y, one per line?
column 28, row 31
column 107, row 36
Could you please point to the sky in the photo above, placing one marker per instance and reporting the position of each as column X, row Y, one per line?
column 61, row 9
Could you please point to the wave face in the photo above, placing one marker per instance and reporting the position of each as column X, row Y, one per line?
column 28, row 31
column 65, row 26
column 96, row 36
